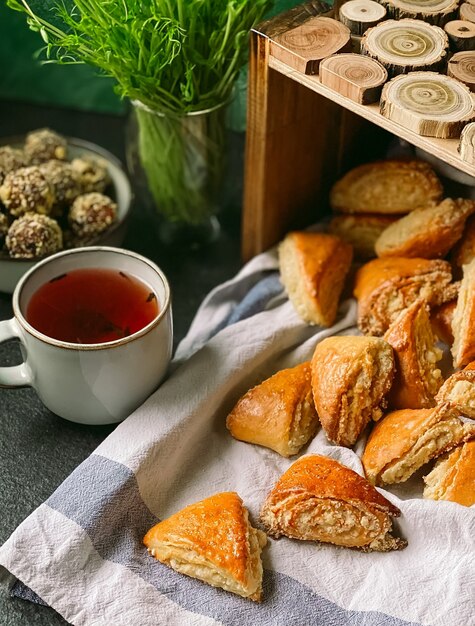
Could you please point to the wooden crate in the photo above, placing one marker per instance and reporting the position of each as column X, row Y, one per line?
column 301, row 137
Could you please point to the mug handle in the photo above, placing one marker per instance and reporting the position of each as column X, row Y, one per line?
column 18, row 375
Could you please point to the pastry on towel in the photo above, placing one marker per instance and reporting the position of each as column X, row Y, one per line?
column 463, row 322
column 350, row 379
column 385, row 287
column 313, row 268
column 391, row 187
column 417, row 377
column 453, row 476
column 361, row 231
column 212, row 540
column 428, row 233
column 279, row 413
column 464, row 252
column 459, row 391
column 318, row 499
column 441, row 319
column 403, row 441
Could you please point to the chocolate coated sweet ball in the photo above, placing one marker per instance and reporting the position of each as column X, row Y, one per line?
column 44, row 145
column 93, row 174
column 91, row 214
column 11, row 159
column 64, row 179
column 34, row 235
column 3, row 226
column 27, row 190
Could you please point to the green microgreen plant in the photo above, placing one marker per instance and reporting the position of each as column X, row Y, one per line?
column 174, row 56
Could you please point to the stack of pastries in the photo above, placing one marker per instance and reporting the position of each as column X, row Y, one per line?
column 383, row 385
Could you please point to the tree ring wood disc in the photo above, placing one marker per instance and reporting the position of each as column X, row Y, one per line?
column 461, row 34
column 428, row 103
column 406, row 45
column 467, row 12
column 431, row 11
column 354, row 76
column 462, row 67
column 467, row 144
column 359, row 15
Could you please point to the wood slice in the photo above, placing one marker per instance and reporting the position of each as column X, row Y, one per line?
column 359, row 15
column 406, row 45
column 467, row 12
column 436, row 12
column 306, row 45
column 461, row 34
column 467, row 144
column 354, row 76
column 428, row 103
column 462, row 67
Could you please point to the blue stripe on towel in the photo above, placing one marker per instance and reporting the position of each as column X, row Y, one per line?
column 102, row 497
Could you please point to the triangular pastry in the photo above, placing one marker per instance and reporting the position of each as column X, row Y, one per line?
column 459, row 391
column 361, row 231
column 313, row 268
column 279, row 413
column 319, row 499
column 385, row 287
column 453, row 476
column 213, row 541
column 351, row 376
column 463, row 322
column 417, row 377
column 403, row 441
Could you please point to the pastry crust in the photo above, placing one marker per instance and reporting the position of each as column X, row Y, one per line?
column 459, row 391
column 428, row 233
column 350, row 379
column 385, row 287
column 279, row 413
column 453, row 476
column 441, row 319
column 404, row 441
column 361, row 231
column 464, row 251
column 463, row 322
column 313, row 268
column 417, row 378
column 212, row 540
column 319, row 499
column 390, row 187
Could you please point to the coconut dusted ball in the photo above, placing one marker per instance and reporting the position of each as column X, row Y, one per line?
column 3, row 226
column 34, row 235
column 92, row 172
column 27, row 190
column 65, row 182
column 91, row 214
column 11, row 159
column 44, row 145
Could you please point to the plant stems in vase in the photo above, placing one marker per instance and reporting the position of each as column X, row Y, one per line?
column 177, row 61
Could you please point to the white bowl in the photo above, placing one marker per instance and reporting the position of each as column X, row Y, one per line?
column 11, row 270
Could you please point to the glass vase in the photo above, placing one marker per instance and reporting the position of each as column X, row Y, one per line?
column 177, row 166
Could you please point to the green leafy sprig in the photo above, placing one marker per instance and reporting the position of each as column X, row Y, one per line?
column 176, row 56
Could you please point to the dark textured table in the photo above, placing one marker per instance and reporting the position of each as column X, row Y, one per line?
column 38, row 450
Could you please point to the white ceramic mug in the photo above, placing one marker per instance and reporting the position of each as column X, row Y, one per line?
column 91, row 383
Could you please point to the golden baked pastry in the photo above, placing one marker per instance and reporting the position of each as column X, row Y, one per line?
column 350, row 379
column 404, row 441
column 453, row 476
column 428, row 233
column 279, row 413
column 361, row 231
column 393, row 187
column 385, row 287
column 313, row 267
column 464, row 252
column 318, row 499
column 463, row 322
column 212, row 540
column 441, row 319
column 417, row 377
column 459, row 391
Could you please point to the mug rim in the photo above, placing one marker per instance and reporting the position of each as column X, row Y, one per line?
column 164, row 307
